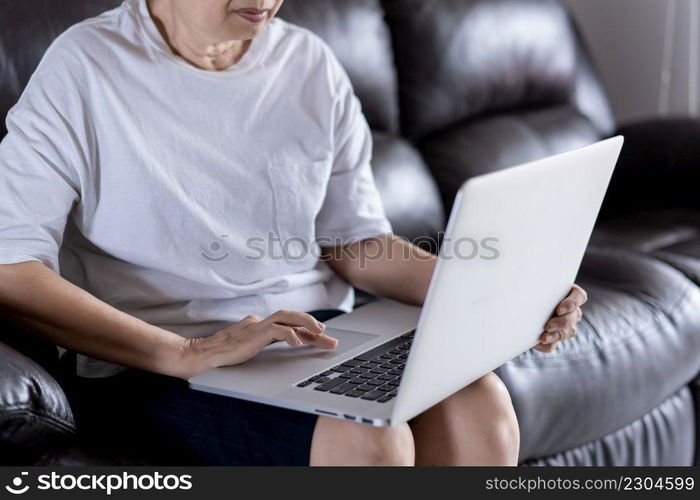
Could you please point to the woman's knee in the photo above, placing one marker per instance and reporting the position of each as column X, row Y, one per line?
column 338, row 442
column 491, row 396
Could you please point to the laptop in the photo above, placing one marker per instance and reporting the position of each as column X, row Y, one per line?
column 511, row 252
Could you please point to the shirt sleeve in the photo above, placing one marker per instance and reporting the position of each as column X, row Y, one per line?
column 352, row 209
column 40, row 168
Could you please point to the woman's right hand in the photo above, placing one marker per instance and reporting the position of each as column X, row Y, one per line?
column 243, row 340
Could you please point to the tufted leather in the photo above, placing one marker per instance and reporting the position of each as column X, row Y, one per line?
column 501, row 141
column 360, row 39
column 638, row 343
column 34, row 411
column 459, row 59
column 662, row 437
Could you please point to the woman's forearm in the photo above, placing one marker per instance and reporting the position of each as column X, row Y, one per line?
column 387, row 266
column 33, row 295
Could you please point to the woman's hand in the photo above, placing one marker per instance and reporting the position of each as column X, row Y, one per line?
column 243, row 340
column 562, row 325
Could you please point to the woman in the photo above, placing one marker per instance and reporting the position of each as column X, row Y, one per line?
column 153, row 144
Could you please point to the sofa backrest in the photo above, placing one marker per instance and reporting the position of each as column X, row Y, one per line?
column 462, row 59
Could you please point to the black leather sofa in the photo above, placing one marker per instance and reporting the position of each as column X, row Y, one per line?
column 452, row 89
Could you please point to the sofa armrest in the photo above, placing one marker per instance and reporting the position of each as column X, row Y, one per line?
column 659, row 167
column 34, row 411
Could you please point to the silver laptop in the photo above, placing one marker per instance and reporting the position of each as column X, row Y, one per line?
column 511, row 252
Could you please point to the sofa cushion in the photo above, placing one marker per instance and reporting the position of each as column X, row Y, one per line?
column 461, row 58
column 34, row 411
column 639, row 343
column 361, row 40
column 662, row 437
column 502, row 141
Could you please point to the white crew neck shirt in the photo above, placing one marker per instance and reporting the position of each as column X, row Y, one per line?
column 184, row 197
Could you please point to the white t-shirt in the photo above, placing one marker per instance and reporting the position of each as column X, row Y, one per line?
column 184, row 197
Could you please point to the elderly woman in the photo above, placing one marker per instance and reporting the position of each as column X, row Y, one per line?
column 152, row 143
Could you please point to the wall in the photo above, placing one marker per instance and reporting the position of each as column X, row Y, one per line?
column 647, row 52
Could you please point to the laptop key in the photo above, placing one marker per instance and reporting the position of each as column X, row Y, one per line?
column 341, row 369
column 385, row 388
column 367, row 376
column 327, row 386
column 384, row 399
column 352, row 363
column 372, row 353
column 342, row 389
column 373, row 395
column 375, row 382
column 326, row 374
column 386, row 376
column 304, row 383
column 365, row 388
column 320, row 380
column 357, row 381
column 354, row 394
column 346, row 375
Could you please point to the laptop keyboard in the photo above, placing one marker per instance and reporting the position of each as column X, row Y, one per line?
column 374, row 375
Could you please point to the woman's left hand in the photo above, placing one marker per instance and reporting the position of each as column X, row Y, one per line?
column 562, row 325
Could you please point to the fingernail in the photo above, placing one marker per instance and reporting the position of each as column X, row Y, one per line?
column 549, row 339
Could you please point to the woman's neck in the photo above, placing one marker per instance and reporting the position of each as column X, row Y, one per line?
column 195, row 48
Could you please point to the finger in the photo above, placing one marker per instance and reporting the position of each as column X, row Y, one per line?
column 550, row 337
column 294, row 318
column 546, row 348
column 563, row 322
column 576, row 298
column 280, row 333
column 320, row 340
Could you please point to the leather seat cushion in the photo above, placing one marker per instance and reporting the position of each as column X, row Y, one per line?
column 662, row 437
column 639, row 343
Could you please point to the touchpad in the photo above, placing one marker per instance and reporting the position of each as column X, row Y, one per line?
column 281, row 351
column 346, row 341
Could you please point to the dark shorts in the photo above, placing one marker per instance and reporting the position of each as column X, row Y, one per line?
column 160, row 420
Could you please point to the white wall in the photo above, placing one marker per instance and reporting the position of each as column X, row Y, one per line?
column 635, row 43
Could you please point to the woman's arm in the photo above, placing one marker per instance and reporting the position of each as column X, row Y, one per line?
column 63, row 313
column 391, row 267
column 386, row 266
